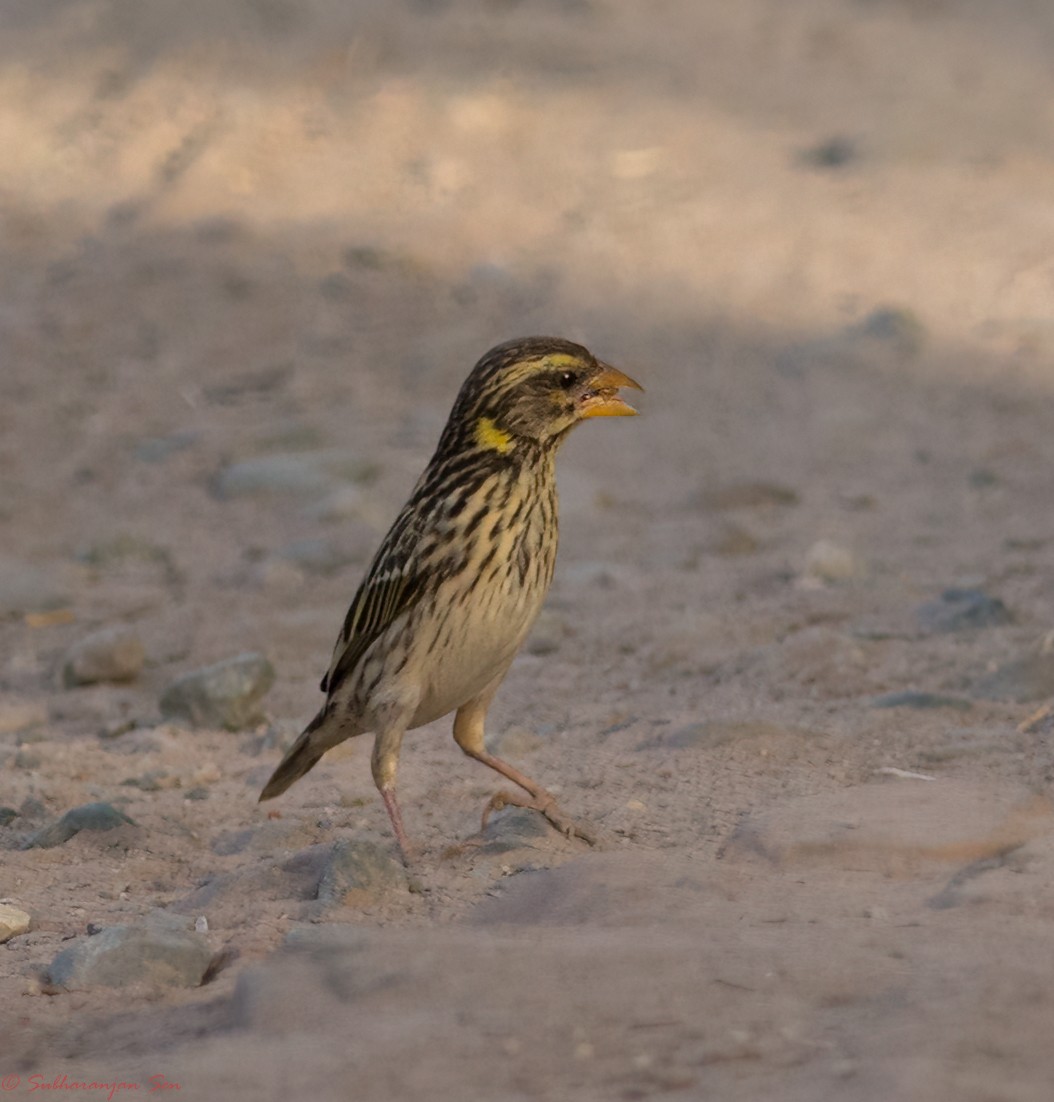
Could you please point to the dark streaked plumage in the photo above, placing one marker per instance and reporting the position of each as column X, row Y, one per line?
column 460, row 576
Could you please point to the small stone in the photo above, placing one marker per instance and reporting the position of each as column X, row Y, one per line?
column 7, row 814
column 912, row 698
column 895, row 325
column 96, row 816
column 122, row 955
column 962, row 610
column 12, row 922
column 357, row 869
column 835, row 152
column 226, row 694
column 201, row 925
column 1022, row 680
column 112, row 654
column 514, row 829
column 831, row 562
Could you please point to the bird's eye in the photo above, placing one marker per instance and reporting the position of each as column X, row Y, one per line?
column 567, row 379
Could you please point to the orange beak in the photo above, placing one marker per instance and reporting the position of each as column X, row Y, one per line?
column 602, row 399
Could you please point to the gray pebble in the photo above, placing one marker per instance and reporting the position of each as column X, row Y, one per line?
column 962, row 610
column 112, row 654
column 122, row 955
column 514, row 829
column 359, row 867
column 895, row 325
column 912, row 698
column 97, row 816
column 226, row 694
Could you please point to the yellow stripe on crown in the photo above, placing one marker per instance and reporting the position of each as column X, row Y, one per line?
column 489, row 436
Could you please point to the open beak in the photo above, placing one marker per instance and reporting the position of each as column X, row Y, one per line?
column 602, row 398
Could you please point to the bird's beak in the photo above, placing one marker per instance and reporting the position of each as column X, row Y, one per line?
column 602, row 398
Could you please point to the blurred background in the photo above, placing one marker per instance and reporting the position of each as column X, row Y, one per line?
column 319, row 214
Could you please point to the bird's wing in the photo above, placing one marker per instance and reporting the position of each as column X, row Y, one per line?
column 392, row 586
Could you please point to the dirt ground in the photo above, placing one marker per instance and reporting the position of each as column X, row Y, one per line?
column 821, row 235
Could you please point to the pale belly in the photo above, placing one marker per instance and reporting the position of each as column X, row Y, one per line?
column 467, row 654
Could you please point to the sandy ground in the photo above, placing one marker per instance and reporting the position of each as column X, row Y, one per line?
column 820, row 234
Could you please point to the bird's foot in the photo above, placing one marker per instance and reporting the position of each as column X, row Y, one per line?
column 546, row 804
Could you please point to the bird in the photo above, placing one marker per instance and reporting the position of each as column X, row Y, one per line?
column 459, row 579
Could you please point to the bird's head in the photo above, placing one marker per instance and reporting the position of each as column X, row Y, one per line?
column 537, row 389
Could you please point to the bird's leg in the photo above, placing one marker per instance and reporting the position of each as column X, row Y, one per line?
column 384, row 761
column 468, row 734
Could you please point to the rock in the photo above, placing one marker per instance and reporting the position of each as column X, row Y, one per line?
column 836, row 152
column 961, row 610
column 7, row 814
column 97, row 816
column 226, row 694
column 18, row 715
column 515, row 829
column 304, row 474
column 831, row 562
column 12, row 922
column 112, row 654
column 895, row 325
column 911, row 698
column 225, row 897
column 123, row 955
column 358, row 868
column 1022, row 680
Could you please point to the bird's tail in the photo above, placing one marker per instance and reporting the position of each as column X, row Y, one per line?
column 302, row 756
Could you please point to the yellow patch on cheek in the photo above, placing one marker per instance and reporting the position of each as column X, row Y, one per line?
column 489, row 436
